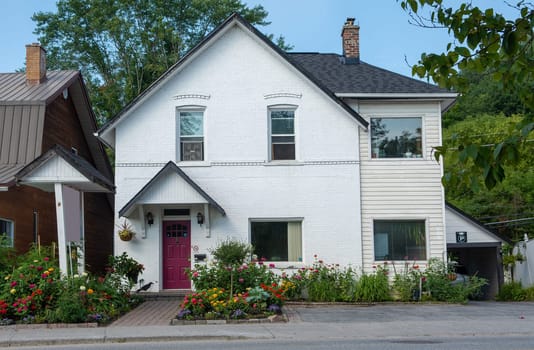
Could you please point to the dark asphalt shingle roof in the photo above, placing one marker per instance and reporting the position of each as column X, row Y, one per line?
column 358, row 78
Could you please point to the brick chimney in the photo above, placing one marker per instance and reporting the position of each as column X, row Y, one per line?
column 351, row 41
column 35, row 64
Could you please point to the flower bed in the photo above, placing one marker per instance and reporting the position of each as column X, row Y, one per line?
column 34, row 292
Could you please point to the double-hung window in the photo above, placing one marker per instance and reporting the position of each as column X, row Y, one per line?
column 277, row 240
column 399, row 240
column 396, row 137
column 191, row 134
column 6, row 232
column 282, row 133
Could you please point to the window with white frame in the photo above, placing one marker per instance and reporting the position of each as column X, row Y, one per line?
column 396, row 137
column 277, row 240
column 6, row 232
column 399, row 240
column 282, row 126
column 191, row 135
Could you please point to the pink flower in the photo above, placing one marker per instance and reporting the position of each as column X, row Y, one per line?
column 46, row 258
column 271, row 266
column 32, row 285
column 241, row 280
column 298, row 277
column 13, row 284
column 195, row 274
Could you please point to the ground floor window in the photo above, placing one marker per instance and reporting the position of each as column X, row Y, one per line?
column 277, row 240
column 7, row 231
column 400, row 240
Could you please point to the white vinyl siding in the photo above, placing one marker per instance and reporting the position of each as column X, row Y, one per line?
column 403, row 189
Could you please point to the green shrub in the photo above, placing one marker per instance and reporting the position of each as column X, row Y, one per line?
column 440, row 287
column 373, row 287
column 232, row 252
column 327, row 282
column 512, row 291
column 406, row 284
column 232, row 278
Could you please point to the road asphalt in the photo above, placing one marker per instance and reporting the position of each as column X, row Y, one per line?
column 309, row 322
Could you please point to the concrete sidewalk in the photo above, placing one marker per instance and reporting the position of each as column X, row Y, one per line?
column 393, row 321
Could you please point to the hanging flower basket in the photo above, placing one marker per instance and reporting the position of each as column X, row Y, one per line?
column 125, row 232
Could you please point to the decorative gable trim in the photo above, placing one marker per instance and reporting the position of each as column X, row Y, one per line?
column 282, row 94
column 187, row 96
column 170, row 166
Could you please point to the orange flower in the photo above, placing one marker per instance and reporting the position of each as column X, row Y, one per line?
column 90, row 291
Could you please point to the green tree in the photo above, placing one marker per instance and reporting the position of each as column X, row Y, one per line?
column 122, row 46
column 485, row 42
column 510, row 202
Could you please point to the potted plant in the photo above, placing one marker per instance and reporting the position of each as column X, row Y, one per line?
column 126, row 232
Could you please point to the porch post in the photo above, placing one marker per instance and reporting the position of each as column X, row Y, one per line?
column 61, row 239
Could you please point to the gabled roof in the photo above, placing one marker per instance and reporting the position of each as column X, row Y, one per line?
column 172, row 167
column 235, row 18
column 15, row 91
column 359, row 78
column 22, row 118
column 476, row 222
column 96, row 181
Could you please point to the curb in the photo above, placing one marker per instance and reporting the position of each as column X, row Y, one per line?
column 270, row 319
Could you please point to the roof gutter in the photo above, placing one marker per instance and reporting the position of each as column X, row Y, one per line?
column 401, row 95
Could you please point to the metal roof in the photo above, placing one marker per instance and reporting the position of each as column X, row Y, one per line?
column 14, row 90
column 7, row 173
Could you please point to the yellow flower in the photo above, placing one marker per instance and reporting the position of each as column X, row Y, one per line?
column 51, row 269
column 7, row 277
column 13, row 291
column 90, row 291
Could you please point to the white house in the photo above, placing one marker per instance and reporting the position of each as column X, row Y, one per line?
column 300, row 154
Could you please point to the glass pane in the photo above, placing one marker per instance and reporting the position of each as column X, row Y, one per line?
column 192, row 150
column 400, row 240
column 282, row 122
column 6, row 232
column 269, row 240
column 283, row 139
column 283, row 151
column 396, row 137
column 191, row 124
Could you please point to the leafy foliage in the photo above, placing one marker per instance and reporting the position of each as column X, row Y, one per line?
column 123, row 46
column 485, row 42
column 509, row 200
column 232, row 252
column 34, row 292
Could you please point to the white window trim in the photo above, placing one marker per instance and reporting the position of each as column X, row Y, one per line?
column 282, row 107
column 397, row 262
column 12, row 236
column 282, row 264
column 398, row 116
column 178, row 148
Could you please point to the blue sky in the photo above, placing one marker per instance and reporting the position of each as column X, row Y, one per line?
column 387, row 39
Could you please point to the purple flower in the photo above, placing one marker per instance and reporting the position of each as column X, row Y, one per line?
column 238, row 314
column 274, row 308
column 183, row 313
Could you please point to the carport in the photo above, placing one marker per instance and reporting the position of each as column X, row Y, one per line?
column 475, row 248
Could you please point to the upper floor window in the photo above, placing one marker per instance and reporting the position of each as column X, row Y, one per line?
column 396, row 138
column 191, row 131
column 277, row 240
column 282, row 134
column 6, row 232
column 400, row 240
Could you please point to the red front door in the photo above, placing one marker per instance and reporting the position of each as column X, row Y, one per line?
column 176, row 254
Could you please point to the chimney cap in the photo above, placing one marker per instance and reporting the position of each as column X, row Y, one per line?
column 350, row 21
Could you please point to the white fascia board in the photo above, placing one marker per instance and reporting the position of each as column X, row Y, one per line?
column 433, row 96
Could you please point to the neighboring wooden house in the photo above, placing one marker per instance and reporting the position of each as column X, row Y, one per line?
column 42, row 111
column 300, row 154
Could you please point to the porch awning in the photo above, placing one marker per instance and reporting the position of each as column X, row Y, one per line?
column 58, row 165
column 170, row 186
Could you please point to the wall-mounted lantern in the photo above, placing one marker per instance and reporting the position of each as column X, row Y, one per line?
column 149, row 218
column 200, row 218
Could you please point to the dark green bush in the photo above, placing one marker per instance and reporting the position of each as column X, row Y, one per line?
column 512, row 292
column 232, row 252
